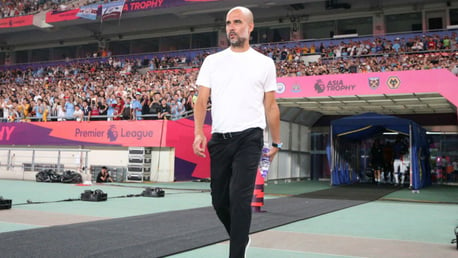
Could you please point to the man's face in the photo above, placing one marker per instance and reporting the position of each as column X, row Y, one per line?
column 238, row 28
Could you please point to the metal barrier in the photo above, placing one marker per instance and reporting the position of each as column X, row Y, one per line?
column 98, row 118
column 19, row 162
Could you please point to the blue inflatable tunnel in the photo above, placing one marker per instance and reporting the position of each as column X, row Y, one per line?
column 348, row 132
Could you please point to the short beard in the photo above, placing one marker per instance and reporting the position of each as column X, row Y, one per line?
column 238, row 43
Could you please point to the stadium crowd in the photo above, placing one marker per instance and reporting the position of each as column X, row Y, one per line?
column 10, row 8
column 154, row 88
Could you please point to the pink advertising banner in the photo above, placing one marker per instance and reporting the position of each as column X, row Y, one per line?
column 94, row 133
column 148, row 133
column 20, row 21
column 441, row 81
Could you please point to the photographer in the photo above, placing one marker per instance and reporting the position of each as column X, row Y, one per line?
column 104, row 176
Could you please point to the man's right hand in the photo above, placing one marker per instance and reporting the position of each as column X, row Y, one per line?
column 199, row 145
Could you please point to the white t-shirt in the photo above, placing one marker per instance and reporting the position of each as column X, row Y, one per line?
column 78, row 115
column 238, row 82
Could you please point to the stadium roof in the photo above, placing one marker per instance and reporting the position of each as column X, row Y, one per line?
column 393, row 104
column 196, row 16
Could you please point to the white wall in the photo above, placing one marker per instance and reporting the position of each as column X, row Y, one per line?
column 293, row 161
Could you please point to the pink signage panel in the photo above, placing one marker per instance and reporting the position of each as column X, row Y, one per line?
column 439, row 80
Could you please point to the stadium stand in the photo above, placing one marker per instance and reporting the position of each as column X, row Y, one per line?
column 131, row 87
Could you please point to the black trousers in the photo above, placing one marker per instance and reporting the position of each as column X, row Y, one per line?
column 234, row 164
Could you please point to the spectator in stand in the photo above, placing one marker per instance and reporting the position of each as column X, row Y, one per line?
column 164, row 111
column 111, row 103
column 174, row 110
column 25, row 109
column 78, row 114
column 118, row 109
column 137, row 106
column 39, row 109
column 3, row 109
column 94, row 110
column 86, row 110
column 13, row 114
column 189, row 104
column 127, row 109
column 69, row 108
column 47, row 109
column 59, row 111
column 103, row 108
column 146, row 102
column 177, row 108
column 155, row 105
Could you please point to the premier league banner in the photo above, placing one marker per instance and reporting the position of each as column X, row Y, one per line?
column 93, row 133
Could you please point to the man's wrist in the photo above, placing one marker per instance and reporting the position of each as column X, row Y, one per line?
column 277, row 145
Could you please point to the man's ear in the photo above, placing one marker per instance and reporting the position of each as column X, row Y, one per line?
column 251, row 27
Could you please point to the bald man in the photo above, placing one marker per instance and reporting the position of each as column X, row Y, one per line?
column 241, row 83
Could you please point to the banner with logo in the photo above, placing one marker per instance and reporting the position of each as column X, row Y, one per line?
column 112, row 10
column 19, row 21
column 437, row 80
column 142, row 5
column 70, row 15
column 91, row 12
column 94, row 133
column 88, row 12
column 147, row 133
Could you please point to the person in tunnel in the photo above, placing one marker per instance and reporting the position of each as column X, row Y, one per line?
column 377, row 160
column 401, row 160
column 388, row 162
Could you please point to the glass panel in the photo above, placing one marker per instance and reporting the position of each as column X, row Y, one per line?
column 22, row 57
column 174, row 43
column 204, row 40
column 266, row 34
column 145, row 45
column 62, row 53
column 319, row 161
column 87, row 50
column 362, row 26
column 453, row 16
column 120, row 47
column 318, row 30
column 40, row 55
column 403, row 22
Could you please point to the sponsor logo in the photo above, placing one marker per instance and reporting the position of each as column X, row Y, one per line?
column 393, row 82
column 333, row 85
column 319, row 86
column 113, row 134
column 296, row 88
column 374, row 82
column 280, row 87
